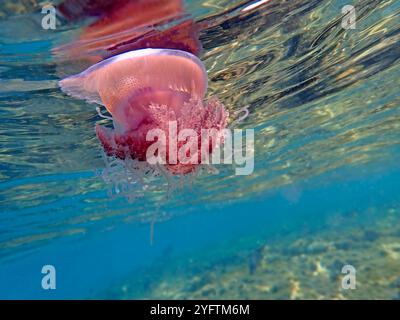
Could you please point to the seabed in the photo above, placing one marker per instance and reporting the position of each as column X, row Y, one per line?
column 298, row 266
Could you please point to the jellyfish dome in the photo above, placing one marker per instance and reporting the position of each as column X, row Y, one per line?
column 150, row 89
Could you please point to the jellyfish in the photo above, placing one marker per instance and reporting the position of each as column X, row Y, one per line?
column 146, row 90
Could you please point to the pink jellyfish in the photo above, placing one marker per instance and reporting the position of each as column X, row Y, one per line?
column 148, row 89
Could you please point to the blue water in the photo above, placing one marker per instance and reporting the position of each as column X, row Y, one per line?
column 93, row 262
column 324, row 104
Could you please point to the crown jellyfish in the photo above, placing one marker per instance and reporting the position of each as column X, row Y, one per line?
column 148, row 89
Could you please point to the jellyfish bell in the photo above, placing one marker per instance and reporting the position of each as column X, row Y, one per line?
column 144, row 90
column 125, row 84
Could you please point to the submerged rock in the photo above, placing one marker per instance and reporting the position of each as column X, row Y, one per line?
column 370, row 235
column 255, row 259
column 316, row 247
column 296, row 248
column 343, row 245
column 395, row 283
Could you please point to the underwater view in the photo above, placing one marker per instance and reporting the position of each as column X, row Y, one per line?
column 200, row 149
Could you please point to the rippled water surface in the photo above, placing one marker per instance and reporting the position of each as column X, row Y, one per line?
column 324, row 103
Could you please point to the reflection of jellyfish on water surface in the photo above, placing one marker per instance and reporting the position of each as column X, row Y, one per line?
column 147, row 90
column 125, row 25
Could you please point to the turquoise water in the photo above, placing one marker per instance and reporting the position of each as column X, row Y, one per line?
column 324, row 104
